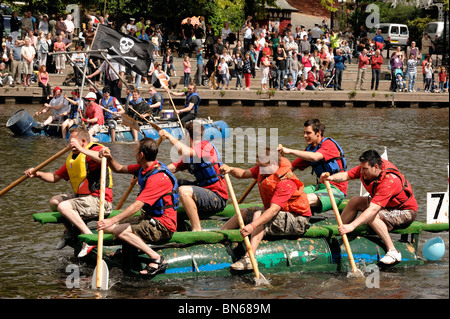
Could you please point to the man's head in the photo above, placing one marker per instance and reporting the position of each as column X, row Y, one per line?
column 82, row 135
column 268, row 160
column 136, row 94
column 370, row 164
column 195, row 130
column 313, row 132
column 192, row 88
column 151, row 90
column 146, row 150
column 90, row 98
column 106, row 91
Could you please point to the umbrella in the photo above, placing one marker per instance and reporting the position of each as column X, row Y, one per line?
column 194, row 20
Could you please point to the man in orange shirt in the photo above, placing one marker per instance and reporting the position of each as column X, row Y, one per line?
column 286, row 209
column 362, row 68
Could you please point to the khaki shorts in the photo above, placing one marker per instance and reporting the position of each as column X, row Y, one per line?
column 283, row 224
column 148, row 229
column 396, row 218
column 94, row 129
column 87, row 206
column 27, row 68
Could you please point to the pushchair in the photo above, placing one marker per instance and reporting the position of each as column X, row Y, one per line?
column 400, row 83
column 69, row 78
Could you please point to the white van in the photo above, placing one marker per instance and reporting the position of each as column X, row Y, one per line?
column 435, row 30
column 394, row 34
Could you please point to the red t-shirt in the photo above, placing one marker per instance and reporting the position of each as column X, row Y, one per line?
column 329, row 150
column 92, row 166
column 157, row 185
column 205, row 150
column 388, row 187
column 95, row 111
column 283, row 191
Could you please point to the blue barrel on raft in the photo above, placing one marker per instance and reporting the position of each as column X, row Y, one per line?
column 21, row 123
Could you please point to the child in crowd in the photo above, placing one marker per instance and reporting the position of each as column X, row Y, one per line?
column 428, row 76
column 321, row 78
column 155, row 41
column 400, row 83
column 302, row 84
column 442, row 75
column 272, row 75
column 224, row 73
column 247, row 70
column 187, row 71
column 290, row 84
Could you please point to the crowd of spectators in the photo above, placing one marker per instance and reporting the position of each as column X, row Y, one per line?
column 295, row 58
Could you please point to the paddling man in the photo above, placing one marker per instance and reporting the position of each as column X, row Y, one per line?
column 58, row 105
column 82, row 170
column 157, row 201
column 93, row 115
column 190, row 110
column 113, row 105
column 286, row 209
column 155, row 103
column 208, row 195
column 323, row 154
column 391, row 204
column 136, row 107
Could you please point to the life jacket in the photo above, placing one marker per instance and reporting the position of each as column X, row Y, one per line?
column 158, row 207
column 73, row 110
column 83, row 180
column 389, row 168
column 156, row 111
column 298, row 203
column 110, row 105
column 332, row 165
column 206, row 172
column 195, row 108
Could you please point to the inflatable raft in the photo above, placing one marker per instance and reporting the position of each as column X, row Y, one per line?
column 212, row 251
column 22, row 124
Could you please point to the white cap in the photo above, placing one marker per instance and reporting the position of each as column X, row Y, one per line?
column 91, row 95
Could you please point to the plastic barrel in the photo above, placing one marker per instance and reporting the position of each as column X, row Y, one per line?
column 21, row 122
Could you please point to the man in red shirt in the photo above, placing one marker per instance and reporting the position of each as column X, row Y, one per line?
column 286, row 209
column 157, row 202
column 82, row 169
column 323, row 155
column 391, row 204
column 208, row 195
column 362, row 68
column 93, row 115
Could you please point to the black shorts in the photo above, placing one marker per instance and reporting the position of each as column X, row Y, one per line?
column 208, row 203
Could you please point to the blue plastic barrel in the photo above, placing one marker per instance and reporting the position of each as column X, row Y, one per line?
column 21, row 122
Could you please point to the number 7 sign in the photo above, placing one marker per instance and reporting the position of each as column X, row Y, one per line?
column 437, row 208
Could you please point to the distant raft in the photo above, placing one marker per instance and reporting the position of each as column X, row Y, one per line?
column 22, row 124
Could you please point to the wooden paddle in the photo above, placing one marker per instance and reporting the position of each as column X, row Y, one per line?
column 101, row 272
column 126, row 119
column 258, row 276
column 249, row 189
column 339, row 221
column 37, row 168
column 173, row 106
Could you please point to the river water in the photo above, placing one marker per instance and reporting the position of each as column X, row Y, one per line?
column 417, row 141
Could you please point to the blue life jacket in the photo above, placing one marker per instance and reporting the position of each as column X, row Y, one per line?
column 158, row 208
column 110, row 105
column 195, row 108
column 73, row 110
column 150, row 102
column 205, row 172
column 332, row 165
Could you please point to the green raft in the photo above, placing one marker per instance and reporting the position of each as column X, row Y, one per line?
column 212, row 251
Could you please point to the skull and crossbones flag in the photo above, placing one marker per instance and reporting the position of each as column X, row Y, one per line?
column 134, row 53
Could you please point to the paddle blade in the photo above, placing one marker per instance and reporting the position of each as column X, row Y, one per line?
column 104, row 278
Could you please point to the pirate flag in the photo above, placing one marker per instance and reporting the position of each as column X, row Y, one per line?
column 134, row 53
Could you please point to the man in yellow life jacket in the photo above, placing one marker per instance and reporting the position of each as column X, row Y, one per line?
column 286, row 209
column 82, row 169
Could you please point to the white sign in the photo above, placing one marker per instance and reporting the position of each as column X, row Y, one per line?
column 437, row 208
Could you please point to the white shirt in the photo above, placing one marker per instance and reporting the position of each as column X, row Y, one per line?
column 111, row 75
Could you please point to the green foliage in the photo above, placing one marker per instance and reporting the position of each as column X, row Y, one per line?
column 224, row 10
